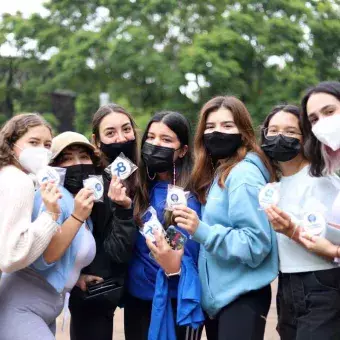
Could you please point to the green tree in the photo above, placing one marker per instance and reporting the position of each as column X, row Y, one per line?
column 168, row 54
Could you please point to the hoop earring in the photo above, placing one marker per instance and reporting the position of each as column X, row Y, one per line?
column 150, row 178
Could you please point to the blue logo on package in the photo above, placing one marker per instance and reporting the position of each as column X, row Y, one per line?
column 174, row 198
column 120, row 169
column 147, row 216
column 98, row 187
column 311, row 218
column 269, row 193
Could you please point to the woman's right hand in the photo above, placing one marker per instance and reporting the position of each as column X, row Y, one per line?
column 83, row 204
column 169, row 259
column 50, row 195
column 117, row 193
column 84, row 280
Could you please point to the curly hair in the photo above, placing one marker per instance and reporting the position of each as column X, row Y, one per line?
column 13, row 130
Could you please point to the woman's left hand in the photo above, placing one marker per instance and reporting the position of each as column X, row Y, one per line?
column 319, row 245
column 169, row 259
column 117, row 193
column 186, row 218
column 281, row 222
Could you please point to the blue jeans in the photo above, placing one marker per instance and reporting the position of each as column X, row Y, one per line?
column 308, row 305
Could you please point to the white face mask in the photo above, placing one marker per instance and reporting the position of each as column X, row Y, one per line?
column 327, row 131
column 33, row 159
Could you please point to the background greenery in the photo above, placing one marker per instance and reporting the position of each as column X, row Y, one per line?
column 168, row 54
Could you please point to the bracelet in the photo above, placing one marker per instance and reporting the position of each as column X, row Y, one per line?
column 174, row 274
column 296, row 226
column 76, row 218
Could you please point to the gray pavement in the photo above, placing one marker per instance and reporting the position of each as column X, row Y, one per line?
column 118, row 333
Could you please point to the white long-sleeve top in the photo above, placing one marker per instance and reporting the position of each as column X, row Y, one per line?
column 21, row 240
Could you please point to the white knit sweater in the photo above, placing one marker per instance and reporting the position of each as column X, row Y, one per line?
column 21, row 240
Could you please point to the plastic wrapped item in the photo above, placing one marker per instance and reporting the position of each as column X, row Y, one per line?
column 176, row 196
column 269, row 195
column 95, row 183
column 175, row 238
column 151, row 224
column 121, row 167
column 48, row 173
column 314, row 223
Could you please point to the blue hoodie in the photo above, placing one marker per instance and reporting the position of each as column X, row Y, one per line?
column 238, row 246
column 189, row 311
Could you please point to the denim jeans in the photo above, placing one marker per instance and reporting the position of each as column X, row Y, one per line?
column 308, row 305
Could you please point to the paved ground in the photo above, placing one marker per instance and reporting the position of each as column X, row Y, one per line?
column 118, row 333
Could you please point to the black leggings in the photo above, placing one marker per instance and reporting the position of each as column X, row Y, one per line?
column 243, row 319
column 137, row 317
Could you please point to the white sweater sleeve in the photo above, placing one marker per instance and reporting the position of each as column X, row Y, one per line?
column 21, row 240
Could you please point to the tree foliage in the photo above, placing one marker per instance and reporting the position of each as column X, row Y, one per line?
column 168, row 54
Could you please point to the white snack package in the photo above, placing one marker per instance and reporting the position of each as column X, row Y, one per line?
column 269, row 195
column 95, row 183
column 314, row 223
column 176, row 196
column 151, row 224
column 121, row 167
column 48, row 173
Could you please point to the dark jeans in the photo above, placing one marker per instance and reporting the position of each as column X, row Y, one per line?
column 308, row 305
column 137, row 317
column 243, row 319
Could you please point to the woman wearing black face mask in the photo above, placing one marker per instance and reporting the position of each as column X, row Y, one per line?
column 308, row 296
column 163, row 288
column 238, row 256
column 114, row 131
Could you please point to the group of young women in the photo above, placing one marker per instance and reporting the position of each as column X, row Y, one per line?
column 58, row 241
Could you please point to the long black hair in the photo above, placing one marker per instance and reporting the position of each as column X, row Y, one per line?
column 312, row 146
column 177, row 123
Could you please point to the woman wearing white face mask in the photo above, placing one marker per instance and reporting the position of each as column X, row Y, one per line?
column 34, row 297
column 308, row 296
column 24, row 147
column 321, row 127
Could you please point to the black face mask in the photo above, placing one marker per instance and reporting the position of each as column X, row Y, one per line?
column 112, row 150
column 75, row 175
column 222, row 145
column 157, row 158
column 281, row 148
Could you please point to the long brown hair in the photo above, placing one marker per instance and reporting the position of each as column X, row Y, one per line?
column 101, row 113
column 203, row 172
column 13, row 130
column 181, row 127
